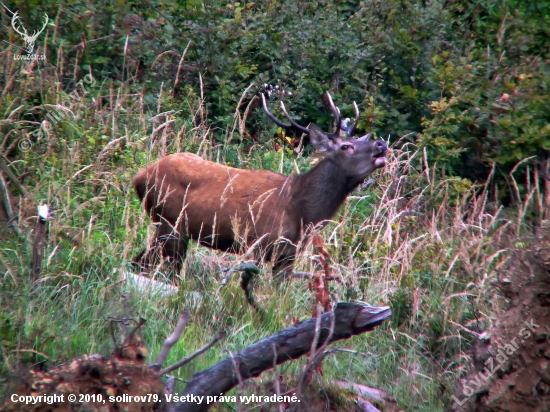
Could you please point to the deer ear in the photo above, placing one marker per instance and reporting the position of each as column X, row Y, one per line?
column 365, row 138
column 320, row 140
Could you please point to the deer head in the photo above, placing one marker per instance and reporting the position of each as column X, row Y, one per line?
column 28, row 39
column 357, row 157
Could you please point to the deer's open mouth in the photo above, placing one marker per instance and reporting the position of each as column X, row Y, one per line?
column 380, row 158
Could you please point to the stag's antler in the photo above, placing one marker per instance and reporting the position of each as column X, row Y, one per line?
column 46, row 20
column 29, row 40
column 293, row 125
column 349, row 130
column 336, row 112
column 340, row 124
column 14, row 19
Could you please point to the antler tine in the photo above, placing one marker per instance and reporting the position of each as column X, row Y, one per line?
column 351, row 129
column 14, row 19
column 46, row 20
column 336, row 113
column 292, row 122
column 365, row 138
column 273, row 118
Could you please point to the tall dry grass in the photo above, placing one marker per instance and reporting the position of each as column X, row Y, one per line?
column 425, row 243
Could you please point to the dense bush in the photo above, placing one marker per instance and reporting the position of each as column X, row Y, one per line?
column 467, row 80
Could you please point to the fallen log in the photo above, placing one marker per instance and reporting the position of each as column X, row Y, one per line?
column 347, row 320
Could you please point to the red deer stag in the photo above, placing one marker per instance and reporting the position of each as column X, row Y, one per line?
column 226, row 208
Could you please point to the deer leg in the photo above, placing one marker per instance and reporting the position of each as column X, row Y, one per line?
column 284, row 262
column 173, row 246
column 146, row 259
column 137, row 262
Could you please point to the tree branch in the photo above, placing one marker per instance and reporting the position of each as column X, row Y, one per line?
column 5, row 200
column 170, row 341
column 291, row 343
column 184, row 361
column 11, row 176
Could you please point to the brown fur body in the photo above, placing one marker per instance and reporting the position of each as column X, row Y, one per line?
column 225, row 208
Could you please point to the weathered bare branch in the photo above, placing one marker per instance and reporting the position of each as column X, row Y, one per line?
column 11, row 176
column 138, row 326
column 316, row 355
column 188, row 359
column 291, row 343
column 366, row 405
column 5, row 201
column 170, row 341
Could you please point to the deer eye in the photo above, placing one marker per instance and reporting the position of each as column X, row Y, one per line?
column 344, row 147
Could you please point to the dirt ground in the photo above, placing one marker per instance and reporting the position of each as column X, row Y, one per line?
column 511, row 362
column 122, row 376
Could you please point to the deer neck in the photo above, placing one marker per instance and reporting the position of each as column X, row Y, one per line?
column 318, row 194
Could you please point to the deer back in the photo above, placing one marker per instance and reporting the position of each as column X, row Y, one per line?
column 209, row 201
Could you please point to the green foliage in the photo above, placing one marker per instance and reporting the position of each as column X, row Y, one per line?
column 467, row 80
